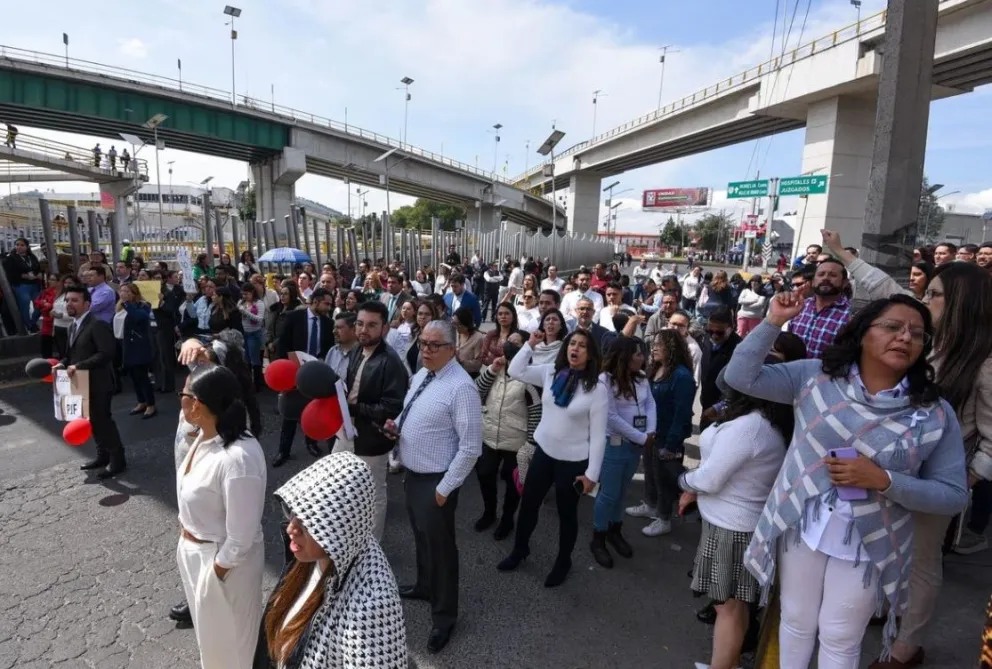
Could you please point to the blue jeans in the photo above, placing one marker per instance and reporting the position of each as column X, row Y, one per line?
column 638, row 291
column 619, row 466
column 253, row 348
column 26, row 294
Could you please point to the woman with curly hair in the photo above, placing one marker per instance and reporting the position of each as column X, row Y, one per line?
column 630, row 429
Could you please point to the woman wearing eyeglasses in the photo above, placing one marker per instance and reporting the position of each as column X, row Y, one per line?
column 959, row 299
column 873, row 443
column 336, row 603
column 220, row 488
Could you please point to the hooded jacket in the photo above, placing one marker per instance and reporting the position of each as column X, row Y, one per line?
column 360, row 623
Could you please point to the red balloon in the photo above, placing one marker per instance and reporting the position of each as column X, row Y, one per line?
column 280, row 375
column 321, row 419
column 50, row 378
column 77, row 432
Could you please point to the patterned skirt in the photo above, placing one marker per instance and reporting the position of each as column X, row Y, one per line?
column 718, row 571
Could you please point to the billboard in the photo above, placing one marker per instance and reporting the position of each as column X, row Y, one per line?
column 671, row 198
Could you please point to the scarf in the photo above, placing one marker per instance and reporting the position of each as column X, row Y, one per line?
column 563, row 387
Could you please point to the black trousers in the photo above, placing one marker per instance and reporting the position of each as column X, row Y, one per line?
column 545, row 471
column 492, row 466
column 105, row 434
column 287, row 433
column 434, row 539
column 666, row 480
column 165, row 367
column 490, row 300
column 61, row 342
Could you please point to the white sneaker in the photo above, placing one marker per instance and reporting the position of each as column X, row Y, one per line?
column 642, row 510
column 657, row 527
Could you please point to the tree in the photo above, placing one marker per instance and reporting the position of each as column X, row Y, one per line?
column 419, row 215
column 930, row 220
column 710, row 228
column 671, row 235
column 246, row 205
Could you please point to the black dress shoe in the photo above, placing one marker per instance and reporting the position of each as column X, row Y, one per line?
column 113, row 470
column 99, row 463
column 412, row 592
column 135, row 411
column 512, row 561
column 438, row 639
column 707, row 614
column 313, row 448
column 180, row 613
column 485, row 522
column 280, row 459
column 504, row 528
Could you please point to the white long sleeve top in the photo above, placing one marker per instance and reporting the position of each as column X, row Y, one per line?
column 222, row 497
column 622, row 410
column 751, row 304
column 573, row 433
column 739, row 461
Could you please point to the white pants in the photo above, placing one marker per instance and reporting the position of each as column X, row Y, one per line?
column 379, row 464
column 822, row 593
column 226, row 615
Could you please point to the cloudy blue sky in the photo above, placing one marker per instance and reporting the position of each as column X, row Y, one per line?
column 522, row 63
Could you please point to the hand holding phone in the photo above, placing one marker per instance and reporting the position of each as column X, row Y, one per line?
column 390, row 430
column 848, row 493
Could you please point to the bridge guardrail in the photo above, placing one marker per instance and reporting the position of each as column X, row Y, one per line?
column 847, row 33
column 247, row 102
column 61, row 151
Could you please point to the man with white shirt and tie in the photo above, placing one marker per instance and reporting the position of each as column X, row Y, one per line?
column 311, row 331
column 440, row 439
column 570, row 301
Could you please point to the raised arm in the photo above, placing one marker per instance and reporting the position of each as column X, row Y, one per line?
column 521, row 369
column 875, row 283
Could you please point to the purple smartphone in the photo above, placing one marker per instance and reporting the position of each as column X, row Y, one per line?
column 847, row 493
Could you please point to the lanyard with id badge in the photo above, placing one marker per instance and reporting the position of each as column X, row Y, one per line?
column 640, row 422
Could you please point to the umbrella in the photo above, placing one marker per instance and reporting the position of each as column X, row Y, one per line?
column 285, row 254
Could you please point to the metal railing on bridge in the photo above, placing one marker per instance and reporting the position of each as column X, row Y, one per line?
column 242, row 101
column 49, row 148
column 854, row 31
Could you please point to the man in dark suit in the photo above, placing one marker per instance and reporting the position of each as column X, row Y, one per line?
column 167, row 329
column 312, row 331
column 603, row 337
column 91, row 348
column 459, row 297
column 720, row 346
column 394, row 297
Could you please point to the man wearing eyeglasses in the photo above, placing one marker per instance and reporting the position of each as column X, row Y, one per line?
column 439, row 441
column 719, row 347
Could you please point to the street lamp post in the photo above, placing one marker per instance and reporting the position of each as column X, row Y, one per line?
column 609, row 203
column 171, row 196
column 548, row 149
column 179, row 64
column 930, row 203
column 857, row 6
column 153, row 123
column 234, row 13
column 596, row 94
column 406, row 81
column 496, row 150
column 65, row 42
column 661, row 84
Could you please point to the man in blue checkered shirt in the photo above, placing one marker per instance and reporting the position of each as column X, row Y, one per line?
column 825, row 313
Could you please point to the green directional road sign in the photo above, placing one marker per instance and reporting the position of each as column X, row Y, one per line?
column 757, row 188
column 807, row 185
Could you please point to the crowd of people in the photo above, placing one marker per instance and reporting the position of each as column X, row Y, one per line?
column 838, row 442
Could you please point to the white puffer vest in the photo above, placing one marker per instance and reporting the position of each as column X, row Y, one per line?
column 504, row 415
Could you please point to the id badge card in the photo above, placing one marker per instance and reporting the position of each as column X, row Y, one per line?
column 641, row 423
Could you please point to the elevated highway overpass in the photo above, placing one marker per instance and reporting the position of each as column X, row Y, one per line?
column 829, row 86
column 281, row 144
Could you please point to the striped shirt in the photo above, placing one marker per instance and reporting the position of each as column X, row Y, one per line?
column 442, row 432
column 819, row 328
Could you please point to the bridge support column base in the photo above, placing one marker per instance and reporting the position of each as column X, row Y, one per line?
column 839, row 136
column 584, row 193
column 275, row 194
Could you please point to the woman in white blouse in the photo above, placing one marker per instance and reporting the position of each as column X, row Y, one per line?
column 220, row 488
column 571, row 438
column 631, row 423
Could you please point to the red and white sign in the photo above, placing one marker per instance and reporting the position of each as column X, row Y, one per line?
column 671, row 198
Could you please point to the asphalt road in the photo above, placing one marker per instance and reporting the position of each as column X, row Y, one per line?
column 88, row 572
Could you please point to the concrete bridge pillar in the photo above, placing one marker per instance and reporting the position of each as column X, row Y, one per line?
column 584, row 193
column 839, row 137
column 275, row 189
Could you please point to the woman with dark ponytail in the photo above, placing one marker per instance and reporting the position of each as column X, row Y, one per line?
column 220, row 489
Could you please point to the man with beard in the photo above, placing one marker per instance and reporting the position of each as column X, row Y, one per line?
column 984, row 256
column 571, row 300
column 826, row 312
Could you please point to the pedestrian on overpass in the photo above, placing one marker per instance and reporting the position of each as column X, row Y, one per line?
column 11, row 136
column 97, row 153
column 112, row 157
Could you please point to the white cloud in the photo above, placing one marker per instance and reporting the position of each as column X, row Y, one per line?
column 970, row 203
column 132, row 48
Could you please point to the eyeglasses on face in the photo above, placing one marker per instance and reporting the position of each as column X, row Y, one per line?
column 182, row 393
column 432, row 346
column 895, row 328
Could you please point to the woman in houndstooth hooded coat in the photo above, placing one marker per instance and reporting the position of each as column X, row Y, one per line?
column 336, row 605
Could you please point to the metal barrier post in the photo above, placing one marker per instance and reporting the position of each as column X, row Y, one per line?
column 94, row 231
column 10, row 298
column 70, row 214
column 220, row 233
column 46, row 228
column 235, row 242
column 207, row 230
column 339, row 238
column 301, row 219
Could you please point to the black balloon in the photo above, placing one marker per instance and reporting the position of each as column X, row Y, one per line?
column 38, row 368
column 291, row 404
column 316, row 379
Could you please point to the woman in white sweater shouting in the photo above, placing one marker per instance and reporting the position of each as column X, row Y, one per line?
column 571, row 439
column 740, row 458
column 751, row 306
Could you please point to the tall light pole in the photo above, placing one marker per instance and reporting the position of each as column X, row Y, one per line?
column 548, row 149
column 857, row 5
column 926, row 220
column 65, row 42
column 234, row 13
column 171, row 196
column 496, row 127
column 661, row 59
column 526, row 154
column 384, row 178
column 609, row 204
column 179, row 64
column 596, row 94
column 406, row 81
column 153, row 123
